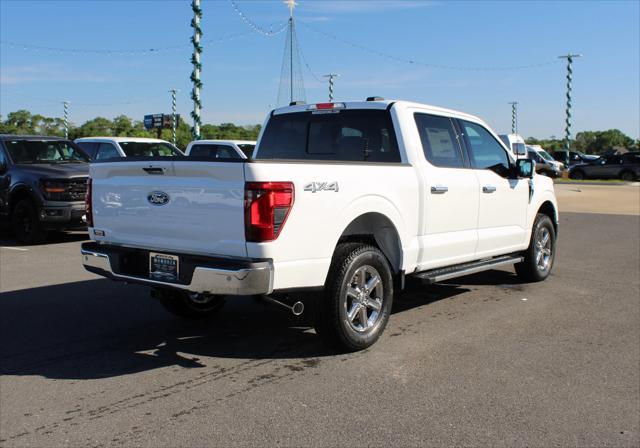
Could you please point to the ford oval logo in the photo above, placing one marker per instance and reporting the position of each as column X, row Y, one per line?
column 158, row 198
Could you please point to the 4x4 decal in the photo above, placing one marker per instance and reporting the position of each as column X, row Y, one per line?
column 314, row 187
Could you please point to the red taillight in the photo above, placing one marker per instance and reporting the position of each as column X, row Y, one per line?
column 88, row 206
column 321, row 106
column 266, row 207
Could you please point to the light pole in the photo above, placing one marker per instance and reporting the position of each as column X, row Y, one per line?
column 66, row 119
column 514, row 117
column 331, row 77
column 174, row 117
column 569, row 57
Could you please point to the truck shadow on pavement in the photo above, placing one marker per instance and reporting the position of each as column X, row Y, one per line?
column 101, row 329
column 7, row 240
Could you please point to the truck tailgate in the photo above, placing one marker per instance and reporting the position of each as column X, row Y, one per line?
column 181, row 206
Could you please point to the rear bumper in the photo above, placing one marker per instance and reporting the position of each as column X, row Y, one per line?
column 200, row 274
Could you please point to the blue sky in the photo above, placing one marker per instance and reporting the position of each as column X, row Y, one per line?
column 241, row 75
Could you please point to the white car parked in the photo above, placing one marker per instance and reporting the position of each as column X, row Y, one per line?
column 100, row 148
column 221, row 149
column 339, row 203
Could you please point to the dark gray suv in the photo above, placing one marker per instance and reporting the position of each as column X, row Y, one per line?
column 42, row 185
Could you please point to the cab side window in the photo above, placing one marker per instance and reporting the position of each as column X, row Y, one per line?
column 439, row 141
column 213, row 151
column 484, row 150
column 89, row 147
column 106, row 151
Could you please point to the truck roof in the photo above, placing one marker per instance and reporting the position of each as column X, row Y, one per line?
column 122, row 139
column 237, row 142
column 28, row 137
column 381, row 104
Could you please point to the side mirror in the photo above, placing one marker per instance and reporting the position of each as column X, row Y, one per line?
column 3, row 167
column 524, row 168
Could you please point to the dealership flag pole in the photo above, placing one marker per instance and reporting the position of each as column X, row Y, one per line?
column 514, row 117
column 569, row 58
column 66, row 119
column 331, row 77
column 197, row 66
column 174, row 117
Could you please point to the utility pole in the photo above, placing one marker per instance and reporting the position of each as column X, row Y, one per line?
column 174, row 116
column 66, row 119
column 514, row 117
column 569, row 57
column 291, row 4
column 331, row 77
column 197, row 66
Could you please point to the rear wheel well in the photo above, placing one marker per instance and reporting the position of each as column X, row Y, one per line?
column 377, row 230
column 548, row 209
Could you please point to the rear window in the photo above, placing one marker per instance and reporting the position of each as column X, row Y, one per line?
column 42, row 151
column 213, row 151
column 345, row 135
column 148, row 149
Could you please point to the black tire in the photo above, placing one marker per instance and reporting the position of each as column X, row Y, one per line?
column 627, row 176
column 353, row 269
column 182, row 304
column 25, row 224
column 577, row 175
column 533, row 268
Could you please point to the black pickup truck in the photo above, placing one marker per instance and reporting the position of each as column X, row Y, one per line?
column 617, row 166
column 42, row 185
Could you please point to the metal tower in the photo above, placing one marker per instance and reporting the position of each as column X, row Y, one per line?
column 291, row 80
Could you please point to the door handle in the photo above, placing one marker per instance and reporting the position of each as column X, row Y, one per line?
column 152, row 170
column 439, row 189
column 488, row 189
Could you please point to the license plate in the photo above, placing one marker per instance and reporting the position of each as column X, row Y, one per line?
column 163, row 267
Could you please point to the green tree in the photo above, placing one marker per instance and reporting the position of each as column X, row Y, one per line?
column 122, row 126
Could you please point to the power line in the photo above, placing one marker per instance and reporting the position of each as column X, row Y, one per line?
column 424, row 64
column 254, row 26
column 306, row 64
column 122, row 51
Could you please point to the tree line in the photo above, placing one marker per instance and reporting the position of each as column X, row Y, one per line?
column 590, row 142
column 24, row 122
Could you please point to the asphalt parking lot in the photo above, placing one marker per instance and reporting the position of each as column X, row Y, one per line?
column 482, row 360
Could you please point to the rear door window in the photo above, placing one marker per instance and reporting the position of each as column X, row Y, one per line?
column 440, row 141
column 345, row 135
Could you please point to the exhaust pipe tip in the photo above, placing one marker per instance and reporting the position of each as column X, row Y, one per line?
column 297, row 308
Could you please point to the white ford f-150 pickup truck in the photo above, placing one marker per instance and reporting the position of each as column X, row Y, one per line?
column 340, row 202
